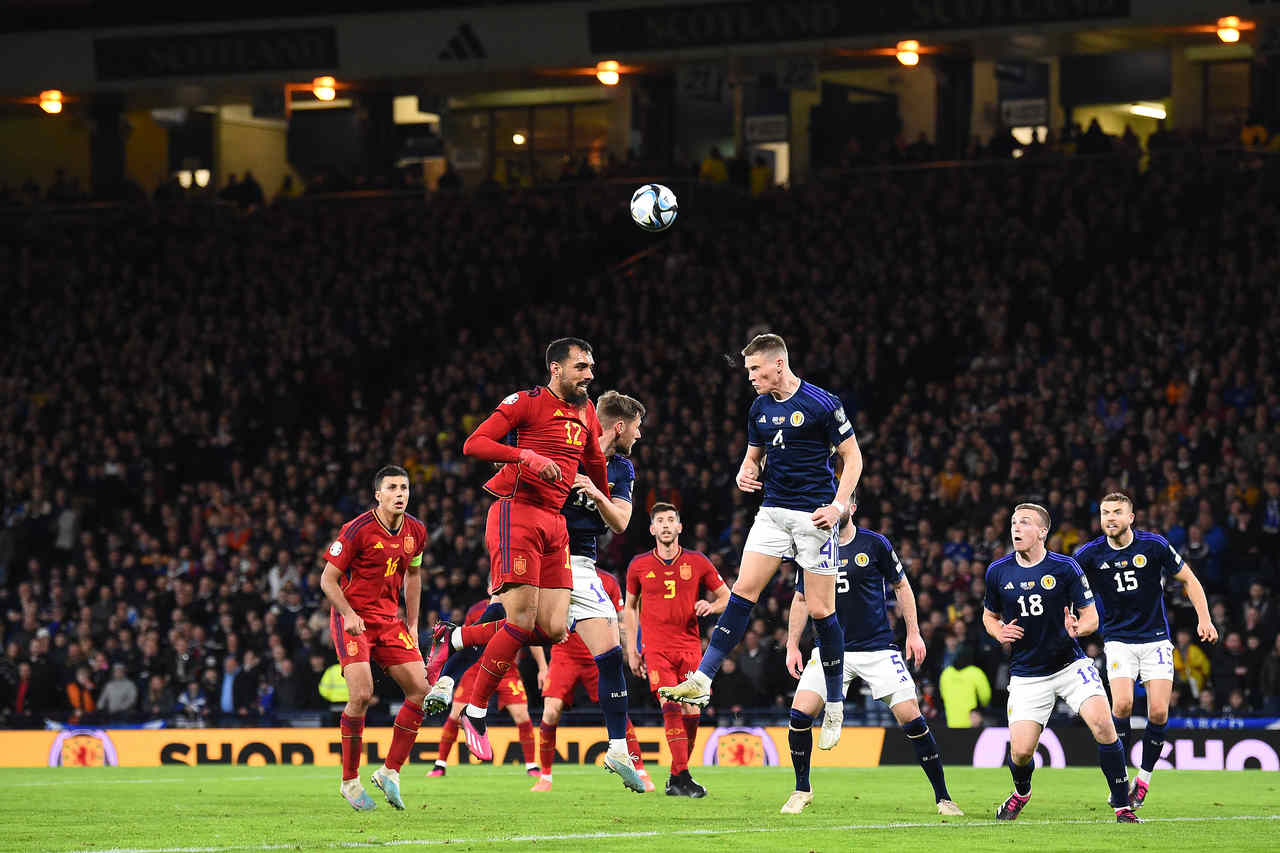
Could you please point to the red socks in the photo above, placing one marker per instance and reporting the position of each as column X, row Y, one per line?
column 352, row 743
column 546, row 748
column 408, row 720
column 480, row 634
column 691, row 729
column 526, row 741
column 677, row 737
column 633, row 746
column 496, row 661
column 448, row 734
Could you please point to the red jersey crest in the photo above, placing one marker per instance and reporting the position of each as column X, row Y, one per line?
column 409, row 542
column 353, row 648
column 686, row 572
column 518, row 565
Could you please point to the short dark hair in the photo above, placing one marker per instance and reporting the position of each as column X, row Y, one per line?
column 662, row 506
column 558, row 350
column 1117, row 496
column 388, row 471
column 765, row 343
column 612, row 407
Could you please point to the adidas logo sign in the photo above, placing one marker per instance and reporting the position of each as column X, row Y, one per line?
column 465, row 44
column 1008, row 585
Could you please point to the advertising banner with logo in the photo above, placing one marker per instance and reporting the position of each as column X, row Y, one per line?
column 737, row 746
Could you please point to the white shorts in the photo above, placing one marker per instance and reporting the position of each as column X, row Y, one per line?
column 1140, row 661
column 587, row 599
column 883, row 672
column 789, row 534
column 1033, row 698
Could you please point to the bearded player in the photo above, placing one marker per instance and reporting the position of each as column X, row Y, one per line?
column 376, row 555
column 665, row 589
column 556, row 430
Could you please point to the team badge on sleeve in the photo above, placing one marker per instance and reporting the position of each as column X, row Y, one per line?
column 336, row 548
column 511, row 400
column 1048, row 581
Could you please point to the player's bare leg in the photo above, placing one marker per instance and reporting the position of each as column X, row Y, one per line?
column 913, row 725
column 552, row 708
column 1159, row 691
column 359, row 680
column 753, row 575
column 603, row 642
column 820, row 599
column 1024, row 735
column 521, row 601
column 412, row 679
column 1097, row 715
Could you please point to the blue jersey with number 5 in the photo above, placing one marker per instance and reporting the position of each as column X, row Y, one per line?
column 1130, row 585
column 1037, row 596
column 868, row 567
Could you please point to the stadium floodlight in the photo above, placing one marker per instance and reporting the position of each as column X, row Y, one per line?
column 608, row 73
column 324, row 88
column 1156, row 111
column 517, row 138
column 909, row 52
column 1229, row 29
column 51, row 101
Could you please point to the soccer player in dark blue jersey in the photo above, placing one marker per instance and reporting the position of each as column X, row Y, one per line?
column 1030, row 597
column 796, row 428
column 1128, row 569
column 866, row 564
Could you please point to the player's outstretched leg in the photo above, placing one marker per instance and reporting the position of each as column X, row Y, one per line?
column 439, row 650
column 800, row 737
column 729, row 631
column 1013, row 805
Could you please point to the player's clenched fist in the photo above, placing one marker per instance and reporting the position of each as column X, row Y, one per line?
column 540, row 465
column 1010, row 631
column 749, row 477
column 353, row 624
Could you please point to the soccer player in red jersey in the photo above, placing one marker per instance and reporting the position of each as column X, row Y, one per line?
column 572, row 664
column 665, row 589
column 556, row 429
column 376, row 555
column 512, row 698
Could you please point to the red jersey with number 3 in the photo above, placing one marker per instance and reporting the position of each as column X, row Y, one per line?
column 373, row 560
column 668, row 590
column 550, row 427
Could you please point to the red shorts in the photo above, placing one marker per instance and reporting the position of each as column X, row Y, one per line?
column 669, row 668
column 386, row 643
column 564, row 675
column 527, row 544
column 510, row 689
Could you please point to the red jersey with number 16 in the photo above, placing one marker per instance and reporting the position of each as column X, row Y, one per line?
column 564, row 433
column 373, row 560
column 668, row 590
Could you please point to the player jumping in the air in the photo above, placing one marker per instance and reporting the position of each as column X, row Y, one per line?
column 664, row 601
column 793, row 427
column 556, row 430
column 1029, row 601
column 1128, row 569
column 377, row 554
column 867, row 563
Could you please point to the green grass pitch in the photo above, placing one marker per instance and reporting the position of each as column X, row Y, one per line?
column 215, row 809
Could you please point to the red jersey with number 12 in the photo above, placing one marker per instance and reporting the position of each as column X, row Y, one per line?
column 373, row 560
column 668, row 590
column 564, row 433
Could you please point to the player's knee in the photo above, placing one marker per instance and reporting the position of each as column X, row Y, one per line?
column 1122, row 707
column 1159, row 716
column 360, row 697
column 819, row 609
column 1021, row 757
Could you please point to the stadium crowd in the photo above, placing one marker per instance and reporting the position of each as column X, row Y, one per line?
column 192, row 401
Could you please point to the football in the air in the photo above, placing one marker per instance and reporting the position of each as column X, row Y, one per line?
column 653, row 207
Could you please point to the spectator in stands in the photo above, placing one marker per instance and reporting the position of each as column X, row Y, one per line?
column 80, row 694
column 159, row 700
column 192, row 704
column 713, row 169
column 119, row 695
column 1190, row 664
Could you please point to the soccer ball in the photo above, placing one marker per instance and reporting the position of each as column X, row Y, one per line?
column 653, row 207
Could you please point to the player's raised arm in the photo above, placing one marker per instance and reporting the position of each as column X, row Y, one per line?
column 352, row 623
column 615, row 511
column 797, row 618
column 486, row 444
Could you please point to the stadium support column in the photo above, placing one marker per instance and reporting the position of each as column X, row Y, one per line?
column 106, row 146
column 380, row 140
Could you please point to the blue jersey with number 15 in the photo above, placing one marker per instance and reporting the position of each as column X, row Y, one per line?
column 1130, row 585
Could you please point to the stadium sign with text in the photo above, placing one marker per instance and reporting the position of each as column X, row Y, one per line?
column 706, row 25
column 239, row 52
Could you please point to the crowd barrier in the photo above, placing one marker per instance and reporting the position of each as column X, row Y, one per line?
column 733, row 746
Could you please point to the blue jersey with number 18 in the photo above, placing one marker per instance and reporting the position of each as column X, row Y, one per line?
column 1037, row 596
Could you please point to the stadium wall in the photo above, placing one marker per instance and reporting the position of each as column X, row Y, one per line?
column 735, row 746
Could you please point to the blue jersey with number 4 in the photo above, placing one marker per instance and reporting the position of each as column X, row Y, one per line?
column 580, row 514
column 1037, row 596
column 797, row 435
column 868, row 567
column 1130, row 585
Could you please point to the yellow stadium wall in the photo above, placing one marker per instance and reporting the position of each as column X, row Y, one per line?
column 36, row 146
